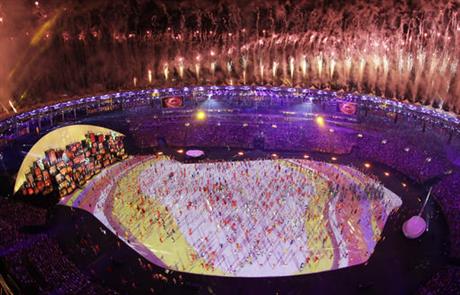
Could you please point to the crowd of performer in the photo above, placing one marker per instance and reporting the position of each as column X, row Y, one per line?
column 302, row 215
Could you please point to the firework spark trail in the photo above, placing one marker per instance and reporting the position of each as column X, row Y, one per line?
column 394, row 50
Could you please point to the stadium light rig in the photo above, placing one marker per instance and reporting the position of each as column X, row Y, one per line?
column 320, row 121
column 200, row 115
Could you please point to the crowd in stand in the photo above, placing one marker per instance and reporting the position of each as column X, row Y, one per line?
column 410, row 159
column 284, row 136
column 301, row 137
column 447, row 192
column 35, row 261
column 446, row 281
column 211, row 135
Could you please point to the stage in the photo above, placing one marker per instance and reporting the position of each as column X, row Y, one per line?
column 258, row 218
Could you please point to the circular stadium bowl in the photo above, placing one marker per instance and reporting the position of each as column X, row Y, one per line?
column 408, row 147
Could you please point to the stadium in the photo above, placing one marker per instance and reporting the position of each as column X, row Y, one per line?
column 229, row 151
